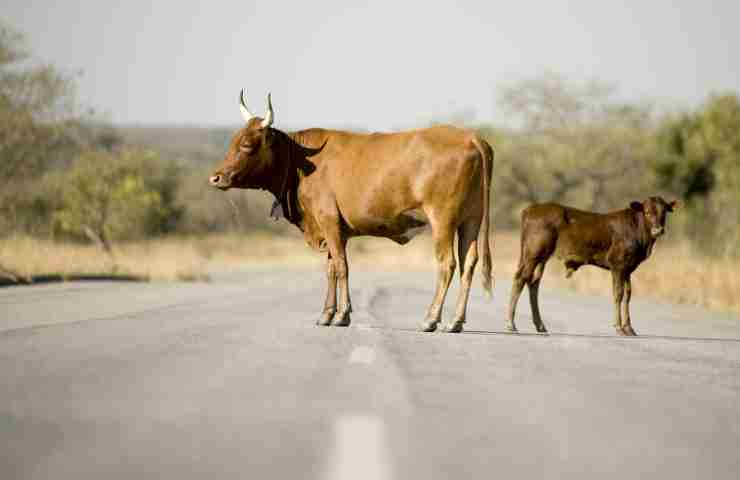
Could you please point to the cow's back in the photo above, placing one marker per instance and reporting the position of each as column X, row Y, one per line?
column 378, row 176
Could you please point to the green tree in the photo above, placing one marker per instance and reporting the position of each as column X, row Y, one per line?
column 115, row 196
column 38, row 130
column 572, row 143
column 699, row 161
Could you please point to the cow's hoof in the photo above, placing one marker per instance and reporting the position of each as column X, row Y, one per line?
column 428, row 327
column 325, row 319
column 341, row 319
column 453, row 327
column 511, row 329
column 629, row 331
column 541, row 329
column 621, row 332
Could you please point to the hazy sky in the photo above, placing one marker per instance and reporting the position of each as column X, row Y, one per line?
column 373, row 64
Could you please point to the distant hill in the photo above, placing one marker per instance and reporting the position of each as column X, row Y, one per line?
column 196, row 145
column 188, row 144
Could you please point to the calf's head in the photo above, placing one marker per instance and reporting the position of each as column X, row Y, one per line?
column 655, row 211
column 250, row 154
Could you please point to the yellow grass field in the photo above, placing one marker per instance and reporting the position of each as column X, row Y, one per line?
column 675, row 273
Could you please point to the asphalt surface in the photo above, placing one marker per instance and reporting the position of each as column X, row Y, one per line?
column 232, row 379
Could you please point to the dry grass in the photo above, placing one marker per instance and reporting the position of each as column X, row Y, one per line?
column 28, row 257
column 675, row 273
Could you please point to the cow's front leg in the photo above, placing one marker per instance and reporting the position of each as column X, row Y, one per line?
column 330, row 304
column 336, row 241
column 342, row 318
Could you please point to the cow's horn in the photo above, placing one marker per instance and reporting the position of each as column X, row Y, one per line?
column 243, row 107
column 268, row 116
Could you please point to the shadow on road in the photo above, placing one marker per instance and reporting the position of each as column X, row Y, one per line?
column 58, row 278
column 557, row 334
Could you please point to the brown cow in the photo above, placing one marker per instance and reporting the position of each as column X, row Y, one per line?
column 618, row 241
column 334, row 185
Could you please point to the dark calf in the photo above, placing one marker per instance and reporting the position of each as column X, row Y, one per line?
column 616, row 241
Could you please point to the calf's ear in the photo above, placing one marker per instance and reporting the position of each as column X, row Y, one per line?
column 636, row 206
column 673, row 205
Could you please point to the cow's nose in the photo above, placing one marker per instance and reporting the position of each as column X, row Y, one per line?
column 221, row 180
column 657, row 231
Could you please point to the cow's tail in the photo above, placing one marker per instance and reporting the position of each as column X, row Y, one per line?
column 487, row 155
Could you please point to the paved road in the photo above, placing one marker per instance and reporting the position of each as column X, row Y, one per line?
column 232, row 380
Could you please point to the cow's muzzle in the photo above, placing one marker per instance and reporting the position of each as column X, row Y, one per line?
column 220, row 180
column 657, row 231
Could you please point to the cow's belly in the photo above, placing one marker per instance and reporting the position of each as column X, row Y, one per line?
column 401, row 228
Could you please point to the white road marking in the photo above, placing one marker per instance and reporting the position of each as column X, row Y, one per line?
column 360, row 450
column 362, row 354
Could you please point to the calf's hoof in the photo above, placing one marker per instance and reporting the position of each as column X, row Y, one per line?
column 541, row 329
column 511, row 328
column 453, row 327
column 325, row 318
column 342, row 319
column 428, row 326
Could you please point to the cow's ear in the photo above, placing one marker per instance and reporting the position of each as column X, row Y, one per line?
column 673, row 205
column 637, row 206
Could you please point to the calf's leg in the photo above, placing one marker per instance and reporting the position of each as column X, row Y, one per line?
column 443, row 233
column 467, row 251
column 618, row 292
column 534, row 288
column 517, row 285
column 626, row 320
column 537, row 245
column 330, row 304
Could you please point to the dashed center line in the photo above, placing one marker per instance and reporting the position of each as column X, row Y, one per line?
column 360, row 450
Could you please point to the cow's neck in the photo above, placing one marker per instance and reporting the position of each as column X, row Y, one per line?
column 291, row 163
column 285, row 176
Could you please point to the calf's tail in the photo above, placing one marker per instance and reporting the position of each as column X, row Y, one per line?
column 487, row 156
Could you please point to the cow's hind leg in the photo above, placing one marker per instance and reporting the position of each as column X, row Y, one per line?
column 467, row 251
column 444, row 235
column 330, row 304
